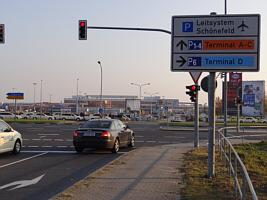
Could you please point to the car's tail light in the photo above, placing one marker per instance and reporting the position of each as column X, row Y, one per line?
column 75, row 134
column 105, row 134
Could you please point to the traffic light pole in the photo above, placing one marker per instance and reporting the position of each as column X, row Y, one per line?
column 196, row 142
column 211, row 146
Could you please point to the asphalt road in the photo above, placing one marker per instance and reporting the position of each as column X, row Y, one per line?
column 48, row 163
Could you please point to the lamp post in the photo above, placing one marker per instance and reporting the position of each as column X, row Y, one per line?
column 41, row 98
column 77, row 101
column 151, row 101
column 101, row 84
column 140, row 86
column 34, row 84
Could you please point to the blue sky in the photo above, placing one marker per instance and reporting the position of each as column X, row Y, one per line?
column 42, row 44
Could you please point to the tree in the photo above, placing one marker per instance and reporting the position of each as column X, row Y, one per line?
column 218, row 106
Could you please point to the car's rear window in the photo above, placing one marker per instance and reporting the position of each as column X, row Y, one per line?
column 96, row 124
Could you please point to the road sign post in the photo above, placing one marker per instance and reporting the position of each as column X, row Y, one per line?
column 215, row 43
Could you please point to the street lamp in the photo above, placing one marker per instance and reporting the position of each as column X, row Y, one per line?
column 41, row 98
column 140, row 87
column 34, row 84
column 77, row 101
column 151, row 100
column 101, row 84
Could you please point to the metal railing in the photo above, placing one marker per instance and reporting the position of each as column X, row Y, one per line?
column 222, row 141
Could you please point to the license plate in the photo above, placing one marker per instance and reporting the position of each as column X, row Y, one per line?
column 89, row 134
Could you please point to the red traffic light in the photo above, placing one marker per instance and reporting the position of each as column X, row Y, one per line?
column 82, row 24
column 82, row 29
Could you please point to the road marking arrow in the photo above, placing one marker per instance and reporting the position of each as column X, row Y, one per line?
column 183, row 61
column 22, row 184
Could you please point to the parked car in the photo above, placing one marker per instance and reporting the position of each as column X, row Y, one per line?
column 26, row 115
column 176, row 119
column 263, row 120
column 10, row 140
column 70, row 116
column 42, row 116
column 103, row 133
column 57, row 115
column 91, row 116
column 8, row 115
column 221, row 119
column 248, row 120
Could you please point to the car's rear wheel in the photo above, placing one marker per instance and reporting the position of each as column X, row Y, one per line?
column 79, row 149
column 78, row 119
column 116, row 146
column 132, row 141
column 17, row 147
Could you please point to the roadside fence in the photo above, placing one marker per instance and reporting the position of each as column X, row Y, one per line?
column 225, row 144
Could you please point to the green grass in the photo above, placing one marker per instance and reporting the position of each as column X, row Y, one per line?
column 221, row 187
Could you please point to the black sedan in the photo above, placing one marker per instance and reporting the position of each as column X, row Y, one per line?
column 103, row 133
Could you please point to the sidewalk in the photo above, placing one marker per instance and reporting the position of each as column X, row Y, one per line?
column 144, row 173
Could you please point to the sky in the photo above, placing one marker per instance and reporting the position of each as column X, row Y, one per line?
column 42, row 46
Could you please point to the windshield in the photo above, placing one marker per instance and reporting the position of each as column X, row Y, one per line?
column 96, row 124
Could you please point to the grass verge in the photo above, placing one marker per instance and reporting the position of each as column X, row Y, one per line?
column 221, row 187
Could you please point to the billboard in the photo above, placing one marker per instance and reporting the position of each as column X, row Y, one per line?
column 132, row 104
column 234, row 87
column 253, row 93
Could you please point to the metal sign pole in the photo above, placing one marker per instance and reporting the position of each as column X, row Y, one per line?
column 211, row 146
column 196, row 143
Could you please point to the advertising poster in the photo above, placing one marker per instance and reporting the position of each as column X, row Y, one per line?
column 234, row 88
column 253, row 98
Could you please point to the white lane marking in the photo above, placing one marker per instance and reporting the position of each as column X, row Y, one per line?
column 48, row 134
column 179, row 137
column 60, row 140
column 33, row 146
column 36, row 139
column 49, row 151
column 23, row 160
column 23, row 183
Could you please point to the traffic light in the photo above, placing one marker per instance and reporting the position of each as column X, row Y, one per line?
column 193, row 92
column 82, row 29
column 239, row 100
column 2, row 33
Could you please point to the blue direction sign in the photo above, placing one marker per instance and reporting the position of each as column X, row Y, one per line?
column 100, row 110
column 214, row 43
column 15, row 95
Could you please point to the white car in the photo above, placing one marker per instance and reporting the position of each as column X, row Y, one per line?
column 70, row 116
column 248, row 120
column 263, row 120
column 26, row 115
column 42, row 116
column 10, row 140
column 91, row 116
column 221, row 120
column 8, row 115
